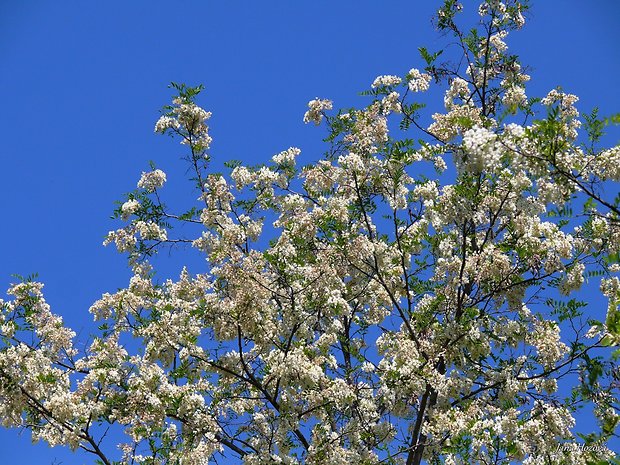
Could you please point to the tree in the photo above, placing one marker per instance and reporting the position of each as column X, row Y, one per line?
column 410, row 298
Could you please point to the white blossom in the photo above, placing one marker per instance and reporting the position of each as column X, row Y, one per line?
column 152, row 180
column 417, row 81
column 387, row 80
column 129, row 208
column 315, row 111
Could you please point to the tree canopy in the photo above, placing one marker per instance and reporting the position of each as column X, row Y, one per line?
column 417, row 295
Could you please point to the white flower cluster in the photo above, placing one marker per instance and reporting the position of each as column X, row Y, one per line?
column 497, row 41
column 417, row 81
column 459, row 88
column 150, row 231
column 546, row 338
column 286, row 157
column 566, row 101
column 54, row 336
column 501, row 12
column 607, row 164
column 190, row 121
column 567, row 112
column 386, row 81
column 370, row 129
column 152, row 180
column 242, row 176
column 514, row 85
column 320, row 177
column 391, row 103
column 124, row 239
column 481, row 150
column 165, row 123
column 315, row 111
column 447, row 126
column 574, row 279
column 514, row 96
column 129, row 208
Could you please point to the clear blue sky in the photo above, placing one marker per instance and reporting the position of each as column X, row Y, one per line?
column 81, row 84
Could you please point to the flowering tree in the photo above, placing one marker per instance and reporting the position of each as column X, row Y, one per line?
column 409, row 298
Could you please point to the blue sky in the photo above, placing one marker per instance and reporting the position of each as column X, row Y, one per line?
column 82, row 82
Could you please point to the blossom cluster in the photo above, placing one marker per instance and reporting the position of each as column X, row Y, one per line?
column 315, row 111
column 150, row 181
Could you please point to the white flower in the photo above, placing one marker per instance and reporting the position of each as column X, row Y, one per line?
column 124, row 240
column 497, row 41
column 166, row 122
column 594, row 331
column 151, row 231
column 481, row 150
column 574, row 279
column 458, row 89
column 418, row 82
column 316, row 109
column 387, row 80
column 391, row 103
column 129, row 208
column 152, row 180
column 515, row 95
column 242, row 176
column 286, row 157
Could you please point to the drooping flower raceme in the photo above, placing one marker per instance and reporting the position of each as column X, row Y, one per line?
column 417, row 81
column 315, row 111
column 152, row 180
